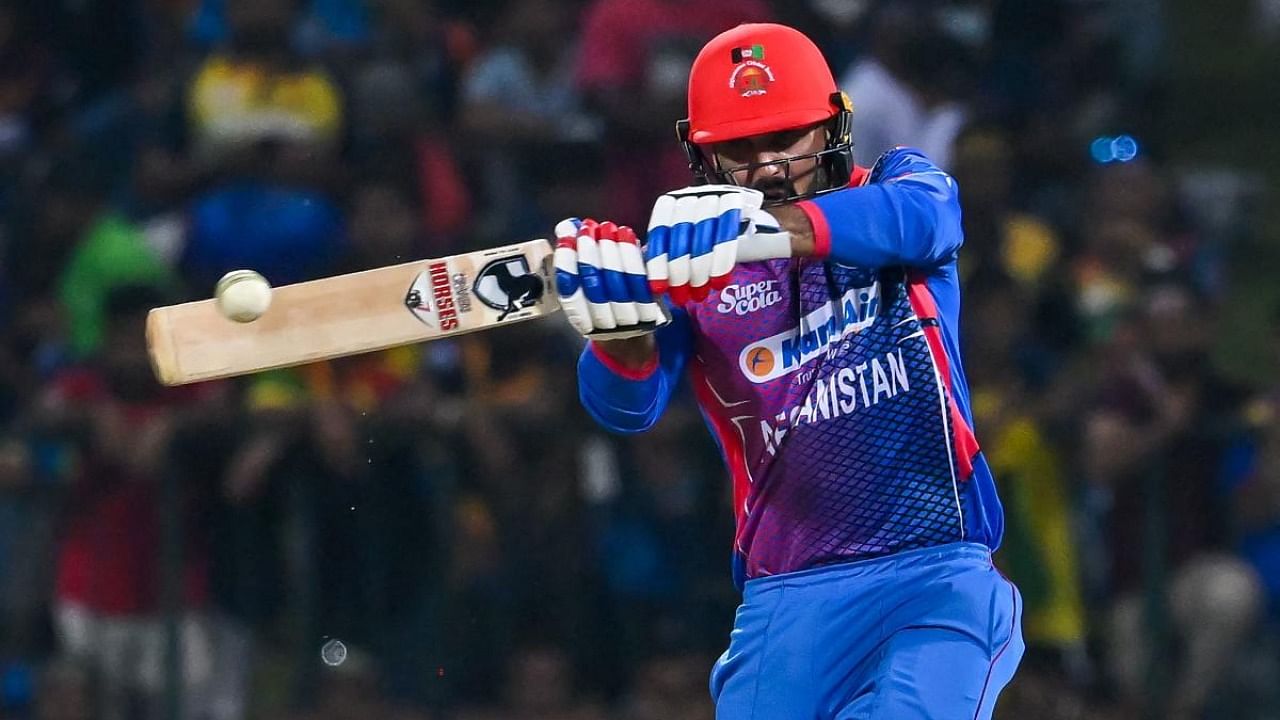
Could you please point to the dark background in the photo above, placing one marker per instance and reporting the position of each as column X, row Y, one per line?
column 439, row 531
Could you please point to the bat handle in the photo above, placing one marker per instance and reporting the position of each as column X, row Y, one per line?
column 758, row 246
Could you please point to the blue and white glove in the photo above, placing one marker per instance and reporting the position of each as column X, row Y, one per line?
column 601, row 281
column 698, row 234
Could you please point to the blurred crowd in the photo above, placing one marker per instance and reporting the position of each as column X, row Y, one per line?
column 438, row 531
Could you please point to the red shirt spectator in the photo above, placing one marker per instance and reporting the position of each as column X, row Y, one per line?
column 619, row 35
column 108, row 560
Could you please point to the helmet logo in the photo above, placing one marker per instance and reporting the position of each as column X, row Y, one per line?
column 750, row 75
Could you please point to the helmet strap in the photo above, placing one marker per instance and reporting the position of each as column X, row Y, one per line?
column 697, row 163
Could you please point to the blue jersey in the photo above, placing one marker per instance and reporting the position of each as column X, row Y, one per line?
column 833, row 385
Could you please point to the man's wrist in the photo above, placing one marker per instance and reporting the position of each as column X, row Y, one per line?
column 628, row 356
column 796, row 222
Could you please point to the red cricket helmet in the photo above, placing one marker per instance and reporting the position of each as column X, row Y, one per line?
column 762, row 78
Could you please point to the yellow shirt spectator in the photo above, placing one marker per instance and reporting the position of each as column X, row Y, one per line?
column 240, row 101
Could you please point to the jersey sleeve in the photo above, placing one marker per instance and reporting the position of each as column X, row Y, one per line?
column 626, row 401
column 907, row 214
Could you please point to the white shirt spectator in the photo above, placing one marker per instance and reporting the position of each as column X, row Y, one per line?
column 505, row 76
column 888, row 113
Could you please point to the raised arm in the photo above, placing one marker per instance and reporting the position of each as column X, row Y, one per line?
column 907, row 214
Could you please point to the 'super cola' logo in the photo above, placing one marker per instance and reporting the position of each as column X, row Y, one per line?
column 820, row 329
column 748, row 298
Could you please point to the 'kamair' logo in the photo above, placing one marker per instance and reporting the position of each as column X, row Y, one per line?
column 750, row 75
column 819, row 330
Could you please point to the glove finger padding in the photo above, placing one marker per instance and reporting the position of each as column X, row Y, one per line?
column 634, row 273
column 601, row 281
column 612, row 273
column 590, row 270
column 679, row 243
column 693, row 238
column 657, row 245
column 568, row 281
column 728, row 226
column 623, row 332
column 705, row 223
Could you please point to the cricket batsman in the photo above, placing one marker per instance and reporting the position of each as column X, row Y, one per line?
column 813, row 307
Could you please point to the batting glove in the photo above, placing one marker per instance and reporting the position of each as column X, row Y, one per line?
column 698, row 234
column 600, row 278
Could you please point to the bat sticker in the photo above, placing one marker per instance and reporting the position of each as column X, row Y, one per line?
column 431, row 298
column 508, row 285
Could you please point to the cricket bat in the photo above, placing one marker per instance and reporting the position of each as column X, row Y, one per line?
column 356, row 313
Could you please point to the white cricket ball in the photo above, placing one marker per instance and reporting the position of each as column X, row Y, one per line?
column 243, row 295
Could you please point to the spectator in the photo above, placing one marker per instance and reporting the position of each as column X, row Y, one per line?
column 74, row 247
column 1152, row 404
column 392, row 131
column 999, row 238
column 1007, row 361
column 518, row 405
column 839, row 28
column 520, row 105
column 631, row 68
column 902, row 88
column 266, row 126
column 434, row 45
column 656, row 545
column 521, row 90
column 326, row 26
column 111, row 252
column 1132, row 233
column 123, row 428
column 1025, row 53
column 344, row 450
column 100, row 46
column 1040, row 547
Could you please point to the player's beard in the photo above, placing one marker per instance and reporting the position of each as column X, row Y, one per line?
column 779, row 190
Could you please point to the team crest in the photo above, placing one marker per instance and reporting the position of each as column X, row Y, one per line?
column 507, row 284
column 751, row 76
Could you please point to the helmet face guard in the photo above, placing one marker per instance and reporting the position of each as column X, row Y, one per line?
column 834, row 162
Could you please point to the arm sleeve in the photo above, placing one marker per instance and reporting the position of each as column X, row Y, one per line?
column 908, row 214
column 632, row 401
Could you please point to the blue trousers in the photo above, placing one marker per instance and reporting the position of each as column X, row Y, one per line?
column 928, row 634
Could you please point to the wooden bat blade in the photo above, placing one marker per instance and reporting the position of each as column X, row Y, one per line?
column 355, row 313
